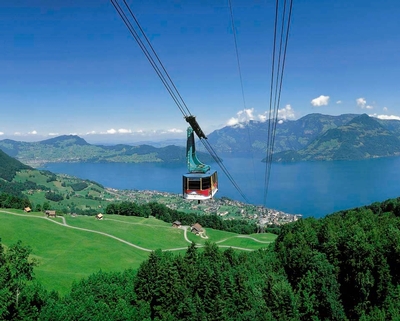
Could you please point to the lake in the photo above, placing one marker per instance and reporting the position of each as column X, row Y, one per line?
column 308, row 188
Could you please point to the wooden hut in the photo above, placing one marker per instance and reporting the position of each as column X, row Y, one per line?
column 196, row 228
column 99, row 216
column 51, row 213
column 176, row 224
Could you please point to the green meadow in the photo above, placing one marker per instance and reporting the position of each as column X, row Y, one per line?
column 67, row 253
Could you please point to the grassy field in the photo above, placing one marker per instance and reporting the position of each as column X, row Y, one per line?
column 226, row 239
column 67, row 253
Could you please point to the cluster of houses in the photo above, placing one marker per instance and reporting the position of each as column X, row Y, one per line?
column 195, row 228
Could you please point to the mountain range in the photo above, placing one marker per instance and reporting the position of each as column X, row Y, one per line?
column 72, row 148
column 313, row 137
column 362, row 137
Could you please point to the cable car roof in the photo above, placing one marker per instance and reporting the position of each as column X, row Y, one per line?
column 200, row 175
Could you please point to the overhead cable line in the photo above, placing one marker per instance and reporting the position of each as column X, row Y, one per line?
column 162, row 73
column 237, row 52
column 276, row 85
column 241, row 83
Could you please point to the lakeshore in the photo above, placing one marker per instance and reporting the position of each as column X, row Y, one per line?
column 227, row 208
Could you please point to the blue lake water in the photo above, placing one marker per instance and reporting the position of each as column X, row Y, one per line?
column 308, row 188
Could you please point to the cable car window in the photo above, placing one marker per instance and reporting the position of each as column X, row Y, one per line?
column 194, row 183
column 206, row 183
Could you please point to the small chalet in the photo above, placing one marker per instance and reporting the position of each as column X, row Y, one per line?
column 176, row 224
column 99, row 216
column 27, row 209
column 196, row 228
column 51, row 213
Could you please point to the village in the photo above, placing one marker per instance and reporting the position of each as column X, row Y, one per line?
column 227, row 208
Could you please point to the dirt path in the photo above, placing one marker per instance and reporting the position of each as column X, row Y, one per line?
column 245, row 237
column 185, row 233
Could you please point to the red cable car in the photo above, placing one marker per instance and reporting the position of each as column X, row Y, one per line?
column 198, row 186
column 199, row 183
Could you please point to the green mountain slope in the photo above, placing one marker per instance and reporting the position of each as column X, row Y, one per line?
column 72, row 148
column 9, row 166
column 362, row 137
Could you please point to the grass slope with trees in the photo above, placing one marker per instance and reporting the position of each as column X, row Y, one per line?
column 341, row 267
column 69, row 248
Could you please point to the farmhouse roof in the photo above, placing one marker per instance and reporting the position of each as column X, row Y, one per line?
column 197, row 227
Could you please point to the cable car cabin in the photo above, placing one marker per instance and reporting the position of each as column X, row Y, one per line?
column 199, row 186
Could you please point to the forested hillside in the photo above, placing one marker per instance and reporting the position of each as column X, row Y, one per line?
column 9, row 166
column 341, row 267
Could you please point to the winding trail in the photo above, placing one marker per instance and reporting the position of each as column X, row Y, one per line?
column 244, row 237
column 185, row 228
column 64, row 223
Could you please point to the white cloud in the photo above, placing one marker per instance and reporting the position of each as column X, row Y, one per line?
column 361, row 102
column 286, row 113
column 386, row 116
column 262, row 118
column 54, row 134
column 113, row 131
column 124, row 131
column 1, row 133
column 232, row 122
column 385, row 109
column 175, row 130
column 320, row 101
column 280, row 121
column 246, row 115
column 34, row 132
column 93, row 132
column 243, row 116
column 339, row 102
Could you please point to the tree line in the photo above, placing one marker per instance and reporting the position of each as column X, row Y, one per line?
column 168, row 215
column 11, row 201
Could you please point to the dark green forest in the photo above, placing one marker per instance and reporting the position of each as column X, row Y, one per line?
column 341, row 267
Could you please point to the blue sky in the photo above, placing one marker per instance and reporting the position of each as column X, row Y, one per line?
column 71, row 67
